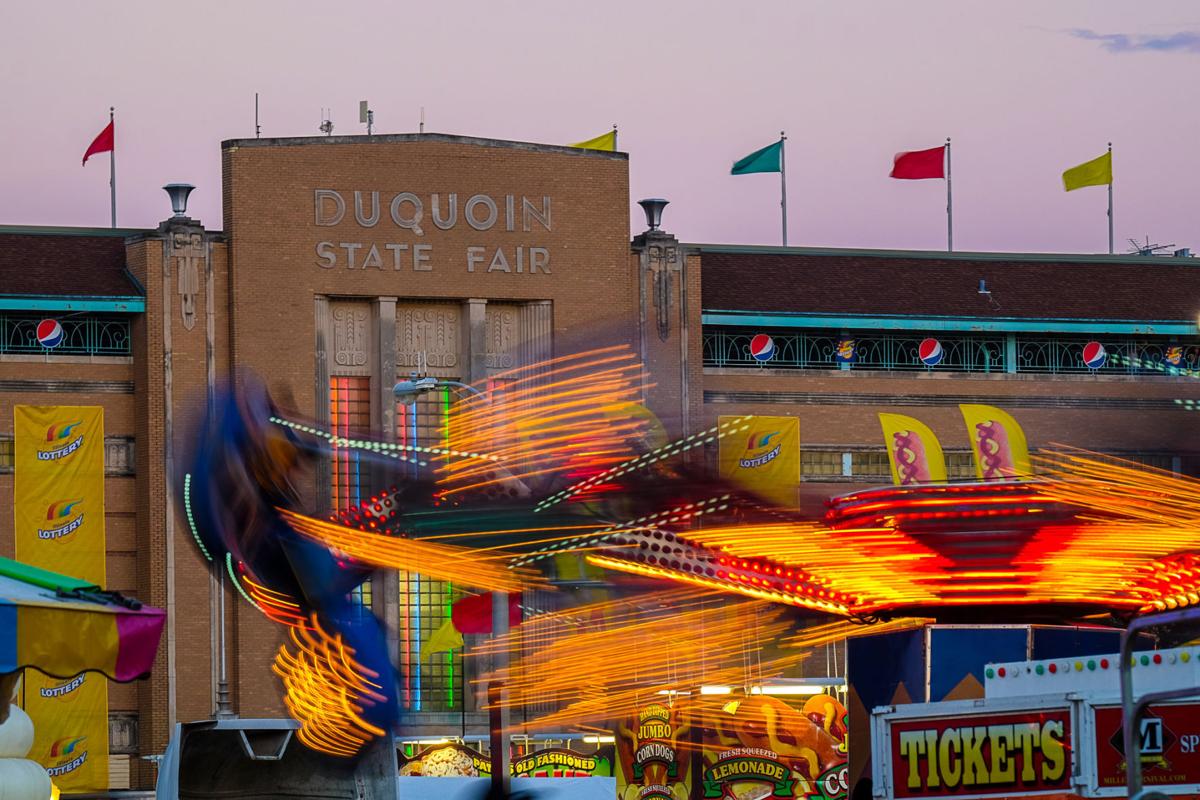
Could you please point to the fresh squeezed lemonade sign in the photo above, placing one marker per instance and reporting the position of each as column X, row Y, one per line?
column 761, row 747
column 58, row 506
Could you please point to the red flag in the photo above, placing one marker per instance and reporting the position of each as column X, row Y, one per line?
column 473, row 613
column 103, row 143
column 920, row 164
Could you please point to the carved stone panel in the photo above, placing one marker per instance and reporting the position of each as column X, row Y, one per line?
column 189, row 252
column 537, row 320
column 429, row 337
column 350, row 322
column 504, row 335
column 663, row 259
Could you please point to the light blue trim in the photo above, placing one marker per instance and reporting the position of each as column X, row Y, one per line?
column 127, row 305
column 970, row 324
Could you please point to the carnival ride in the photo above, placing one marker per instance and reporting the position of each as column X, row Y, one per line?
column 559, row 458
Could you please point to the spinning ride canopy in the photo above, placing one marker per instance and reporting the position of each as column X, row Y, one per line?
column 995, row 551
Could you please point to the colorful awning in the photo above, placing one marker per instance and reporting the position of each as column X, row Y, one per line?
column 63, row 626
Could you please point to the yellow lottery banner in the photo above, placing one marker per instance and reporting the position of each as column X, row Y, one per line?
column 58, row 505
column 766, row 458
column 70, row 729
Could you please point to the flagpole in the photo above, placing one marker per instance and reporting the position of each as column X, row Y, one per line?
column 1110, row 214
column 949, row 204
column 615, row 148
column 112, row 169
column 783, row 184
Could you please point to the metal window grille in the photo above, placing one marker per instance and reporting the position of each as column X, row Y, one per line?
column 83, row 335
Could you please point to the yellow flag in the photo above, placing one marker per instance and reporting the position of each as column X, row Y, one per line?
column 913, row 451
column 1097, row 172
column 998, row 443
column 605, row 141
column 444, row 638
column 765, row 459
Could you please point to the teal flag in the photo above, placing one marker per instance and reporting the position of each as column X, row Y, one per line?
column 765, row 160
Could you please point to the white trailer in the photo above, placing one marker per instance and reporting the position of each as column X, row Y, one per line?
column 1050, row 727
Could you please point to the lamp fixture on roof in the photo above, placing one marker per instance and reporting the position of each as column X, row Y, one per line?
column 653, row 206
column 178, row 192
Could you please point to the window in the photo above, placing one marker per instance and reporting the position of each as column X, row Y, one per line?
column 349, row 415
column 820, row 463
column 430, row 682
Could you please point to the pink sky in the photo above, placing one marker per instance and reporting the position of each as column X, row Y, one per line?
column 693, row 85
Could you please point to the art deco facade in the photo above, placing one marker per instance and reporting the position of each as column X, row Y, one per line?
column 345, row 263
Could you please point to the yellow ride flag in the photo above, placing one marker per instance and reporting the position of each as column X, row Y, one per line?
column 1097, row 172
column 913, row 450
column 606, row 141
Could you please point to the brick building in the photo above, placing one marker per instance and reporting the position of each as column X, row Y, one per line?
column 345, row 263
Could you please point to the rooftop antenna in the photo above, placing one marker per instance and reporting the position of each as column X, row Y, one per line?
column 366, row 115
column 1147, row 249
column 421, row 129
column 257, row 127
column 326, row 126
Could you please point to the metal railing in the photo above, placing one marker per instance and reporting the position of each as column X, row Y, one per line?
column 983, row 353
column 83, row 335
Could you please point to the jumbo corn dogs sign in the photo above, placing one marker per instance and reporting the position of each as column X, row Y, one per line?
column 654, row 760
column 987, row 755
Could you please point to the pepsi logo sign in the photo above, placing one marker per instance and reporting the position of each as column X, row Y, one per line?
column 1094, row 355
column 930, row 352
column 49, row 333
column 762, row 347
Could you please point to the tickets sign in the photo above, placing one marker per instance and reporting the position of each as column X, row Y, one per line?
column 989, row 754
